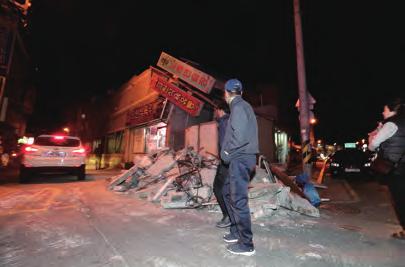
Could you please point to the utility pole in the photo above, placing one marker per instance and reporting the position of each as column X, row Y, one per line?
column 304, row 109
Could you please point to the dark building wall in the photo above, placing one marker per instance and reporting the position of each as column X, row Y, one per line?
column 176, row 126
column 19, row 91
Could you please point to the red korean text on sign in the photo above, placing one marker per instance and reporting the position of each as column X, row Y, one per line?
column 177, row 96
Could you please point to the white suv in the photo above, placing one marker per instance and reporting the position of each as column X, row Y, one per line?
column 53, row 153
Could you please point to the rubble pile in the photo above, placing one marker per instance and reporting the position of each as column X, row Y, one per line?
column 266, row 198
column 184, row 179
column 181, row 179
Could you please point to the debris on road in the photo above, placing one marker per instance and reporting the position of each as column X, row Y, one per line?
column 184, row 179
column 185, row 172
column 265, row 197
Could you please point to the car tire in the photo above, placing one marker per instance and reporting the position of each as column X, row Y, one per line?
column 25, row 174
column 81, row 173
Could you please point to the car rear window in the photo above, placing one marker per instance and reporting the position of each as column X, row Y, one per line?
column 52, row 141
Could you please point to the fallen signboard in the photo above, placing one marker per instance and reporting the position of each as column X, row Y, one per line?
column 177, row 96
column 190, row 75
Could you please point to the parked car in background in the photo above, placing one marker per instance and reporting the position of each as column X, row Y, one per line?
column 350, row 161
column 53, row 153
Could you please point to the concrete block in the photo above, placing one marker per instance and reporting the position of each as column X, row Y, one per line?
column 162, row 190
column 173, row 200
column 148, row 192
column 174, row 205
column 179, row 196
column 303, row 206
column 143, row 161
column 292, row 201
column 262, row 208
column 181, row 154
column 270, row 207
column 122, row 177
column 261, row 176
column 159, row 152
column 162, row 165
column 264, row 190
column 173, row 196
column 120, row 188
column 283, row 197
column 208, row 175
column 262, row 212
column 285, row 179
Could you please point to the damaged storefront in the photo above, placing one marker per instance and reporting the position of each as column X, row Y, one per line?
column 138, row 123
column 171, row 105
column 152, row 111
column 146, row 128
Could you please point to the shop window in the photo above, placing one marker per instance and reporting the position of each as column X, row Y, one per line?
column 95, row 144
column 138, row 140
column 156, row 137
column 114, row 143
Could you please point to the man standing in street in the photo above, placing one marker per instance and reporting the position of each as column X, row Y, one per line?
column 239, row 149
column 99, row 154
column 222, row 117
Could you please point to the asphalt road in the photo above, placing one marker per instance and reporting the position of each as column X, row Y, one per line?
column 58, row 221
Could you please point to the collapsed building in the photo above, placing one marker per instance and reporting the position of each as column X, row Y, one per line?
column 168, row 105
column 161, row 126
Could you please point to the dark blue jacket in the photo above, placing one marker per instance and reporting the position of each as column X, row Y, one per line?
column 241, row 137
column 222, row 123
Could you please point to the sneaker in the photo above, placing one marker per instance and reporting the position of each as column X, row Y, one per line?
column 225, row 222
column 230, row 238
column 239, row 249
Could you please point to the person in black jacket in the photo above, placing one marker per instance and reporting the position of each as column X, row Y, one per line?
column 389, row 140
column 239, row 149
column 98, row 152
column 222, row 117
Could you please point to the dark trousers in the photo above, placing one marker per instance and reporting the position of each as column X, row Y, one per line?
column 396, row 184
column 236, row 198
column 98, row 162
column 219, row 180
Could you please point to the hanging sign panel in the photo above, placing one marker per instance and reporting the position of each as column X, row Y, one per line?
column 144, row 114
column 177, row 96
column 185, row 72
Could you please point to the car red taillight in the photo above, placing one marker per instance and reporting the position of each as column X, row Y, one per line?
column 30, row 149
column 59, row 137
column 79, row 152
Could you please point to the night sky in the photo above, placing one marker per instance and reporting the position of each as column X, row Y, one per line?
column 354, row 52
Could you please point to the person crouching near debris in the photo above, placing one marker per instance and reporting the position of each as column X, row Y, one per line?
column 239, row 149
column 221, row 115
column 389, row 139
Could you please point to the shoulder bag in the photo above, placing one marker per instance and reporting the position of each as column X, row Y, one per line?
column 384, row 166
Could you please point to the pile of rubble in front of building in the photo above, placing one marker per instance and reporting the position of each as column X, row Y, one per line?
column 184, row 179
